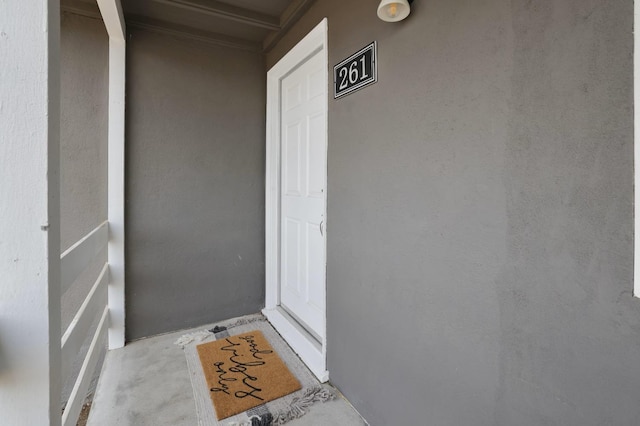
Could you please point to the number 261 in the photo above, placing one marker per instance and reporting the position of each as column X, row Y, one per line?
column 354, row 73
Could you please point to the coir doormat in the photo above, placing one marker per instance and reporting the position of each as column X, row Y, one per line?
column 243, row 372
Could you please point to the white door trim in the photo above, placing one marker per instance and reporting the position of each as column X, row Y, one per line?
column 313, row 355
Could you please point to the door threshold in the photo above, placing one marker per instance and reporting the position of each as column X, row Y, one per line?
column 304, row 328
column 304, row 344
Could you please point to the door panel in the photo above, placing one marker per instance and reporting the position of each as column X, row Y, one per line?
column 304, row 165
column 291, row 160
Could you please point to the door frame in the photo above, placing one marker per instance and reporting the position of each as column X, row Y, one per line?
column 312, row 353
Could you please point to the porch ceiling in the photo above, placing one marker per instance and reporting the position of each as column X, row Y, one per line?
column 254, row 25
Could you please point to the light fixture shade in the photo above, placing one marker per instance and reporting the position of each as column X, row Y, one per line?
column 393, row 10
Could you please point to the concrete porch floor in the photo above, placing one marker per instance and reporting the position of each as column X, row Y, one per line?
column 147, row 383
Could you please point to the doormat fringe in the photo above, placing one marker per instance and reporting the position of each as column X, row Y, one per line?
column 238, row 322
column 199, row 336
column 300, row 406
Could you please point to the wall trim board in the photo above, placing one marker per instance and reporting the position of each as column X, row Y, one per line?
column 116, row 189
column 114, row 22
column 636, row 145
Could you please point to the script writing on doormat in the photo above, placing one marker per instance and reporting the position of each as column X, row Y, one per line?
column 243, row 372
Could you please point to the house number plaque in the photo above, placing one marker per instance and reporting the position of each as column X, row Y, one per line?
column 355, row 72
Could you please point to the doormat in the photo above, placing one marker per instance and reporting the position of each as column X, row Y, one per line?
column 273, row 413
column 243, row 372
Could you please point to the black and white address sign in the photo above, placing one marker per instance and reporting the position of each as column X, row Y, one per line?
column 355, row 72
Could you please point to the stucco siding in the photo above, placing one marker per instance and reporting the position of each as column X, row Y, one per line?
column 195, row 183
column 480, row 214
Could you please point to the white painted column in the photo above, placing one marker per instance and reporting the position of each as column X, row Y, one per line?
column 30, row 382
column 111, row 11
column 117, row 55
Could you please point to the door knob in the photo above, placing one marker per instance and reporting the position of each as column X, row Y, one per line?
column 321, row 233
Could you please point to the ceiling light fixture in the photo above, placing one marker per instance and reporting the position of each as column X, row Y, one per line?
column 394, row 10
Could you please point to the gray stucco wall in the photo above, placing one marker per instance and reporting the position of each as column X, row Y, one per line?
column 84, row 53
column 195, row 183
column 480, row 214
column 84, row 113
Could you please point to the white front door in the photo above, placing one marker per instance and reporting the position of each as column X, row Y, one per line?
column 297, row 101
column 303, row 177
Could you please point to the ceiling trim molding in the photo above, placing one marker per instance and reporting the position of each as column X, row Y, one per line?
column 289, row 16
column 278, row 26
column 168, row 28
column 88, row 10
column 227, row 11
